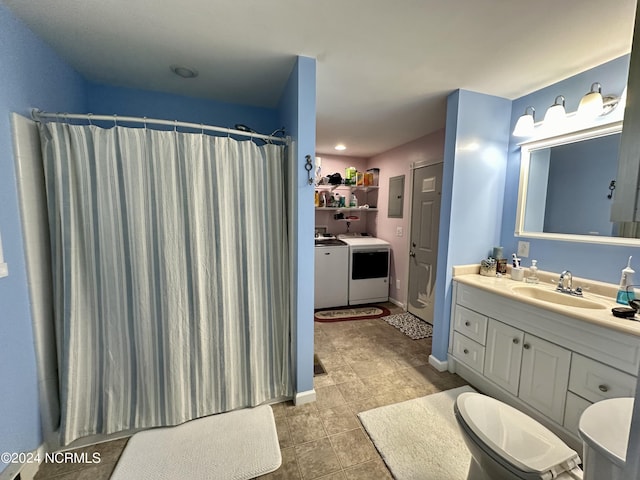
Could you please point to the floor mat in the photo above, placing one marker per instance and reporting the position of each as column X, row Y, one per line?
column 236, row 445
column 350, row 313
column 410, row 325
column 420, row 438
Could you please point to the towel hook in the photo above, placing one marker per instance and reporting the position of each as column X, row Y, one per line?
column 308, row 166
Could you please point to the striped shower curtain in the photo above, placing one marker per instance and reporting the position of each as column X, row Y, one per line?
column 171, row 275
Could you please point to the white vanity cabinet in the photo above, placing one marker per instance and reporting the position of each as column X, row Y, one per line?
column 528, row 367
column 548, row 365
column 544, row 376
column 503, row 355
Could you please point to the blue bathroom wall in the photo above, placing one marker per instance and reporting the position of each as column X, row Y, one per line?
column 32, row 75
column 587, row 260
column 475, row 160
column 297, row 109
column 109, row 100
column 578, row 184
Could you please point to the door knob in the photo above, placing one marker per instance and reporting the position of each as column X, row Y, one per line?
column 412, row 254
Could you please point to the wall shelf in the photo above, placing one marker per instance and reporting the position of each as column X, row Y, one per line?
column 331, row 188
column 345, row 209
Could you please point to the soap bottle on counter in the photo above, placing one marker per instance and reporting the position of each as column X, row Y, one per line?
column 625, row 289
column 533, row 272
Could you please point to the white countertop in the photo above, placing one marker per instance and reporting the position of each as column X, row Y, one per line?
column 599, row 292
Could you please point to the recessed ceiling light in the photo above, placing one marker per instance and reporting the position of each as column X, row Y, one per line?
column 184, row 72
column 340, row 147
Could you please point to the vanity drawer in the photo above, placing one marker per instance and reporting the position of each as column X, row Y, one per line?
column 471, row 324
column 596, row 381
column 573, row 410
column 468, row 352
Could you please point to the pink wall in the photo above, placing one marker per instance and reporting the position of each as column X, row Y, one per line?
column 392, row 163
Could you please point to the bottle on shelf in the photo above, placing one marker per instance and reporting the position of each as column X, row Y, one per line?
column 353, row 202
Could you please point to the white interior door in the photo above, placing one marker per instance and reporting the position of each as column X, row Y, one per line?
column 423, row 252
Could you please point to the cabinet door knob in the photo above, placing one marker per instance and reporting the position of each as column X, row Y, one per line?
column 465, row 351
column 526, row 346
column 467, row 324
column 603, row 388
column 516, row 341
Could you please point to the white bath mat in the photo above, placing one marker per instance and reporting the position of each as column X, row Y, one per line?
column 420, row 438
column 236, row 445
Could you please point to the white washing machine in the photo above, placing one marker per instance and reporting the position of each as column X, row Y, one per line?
column 331, row 273
column 368, row 268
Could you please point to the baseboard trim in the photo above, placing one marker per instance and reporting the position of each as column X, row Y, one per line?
column 304, row 397
column 398, row 303
column 27, row 471
column 438, row 364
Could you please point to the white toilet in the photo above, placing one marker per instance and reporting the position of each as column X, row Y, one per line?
column 604, row 429
column 506, row 444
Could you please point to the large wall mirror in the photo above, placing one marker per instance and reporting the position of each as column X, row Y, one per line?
column 567, row 188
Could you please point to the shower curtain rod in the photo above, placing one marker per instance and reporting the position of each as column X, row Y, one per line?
column 38, row 115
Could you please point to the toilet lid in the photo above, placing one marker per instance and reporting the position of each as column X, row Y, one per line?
column 514, row 436
column 611, row 436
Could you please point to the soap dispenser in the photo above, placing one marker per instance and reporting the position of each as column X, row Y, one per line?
column 533, row 272
column 626, row 280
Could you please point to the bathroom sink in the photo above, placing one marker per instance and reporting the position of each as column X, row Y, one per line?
column 558, row 298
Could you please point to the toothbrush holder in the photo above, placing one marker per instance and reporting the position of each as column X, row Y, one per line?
column 517, row 274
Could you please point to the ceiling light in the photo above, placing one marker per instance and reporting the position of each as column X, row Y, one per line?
column 340, row 147
column 524, row 125
column 556, row 114
column 591, row 104
column 184, row 72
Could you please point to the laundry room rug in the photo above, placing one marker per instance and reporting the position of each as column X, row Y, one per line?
column 420, row 438
column 236, row 445
column 410, row 325
column 350, row 313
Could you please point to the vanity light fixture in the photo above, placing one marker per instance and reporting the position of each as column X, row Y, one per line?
column 556, row 113
column 525, row 124
column 340, row 147
column 591, row 105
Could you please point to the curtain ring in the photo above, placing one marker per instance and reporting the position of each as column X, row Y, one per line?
column 145, row 122
column 89, row 118
column 202, row 129
column 228, row 133
column 115, row 120
column 175, row 126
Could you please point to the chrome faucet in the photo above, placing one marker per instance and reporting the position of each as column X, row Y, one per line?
column 566, row 274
